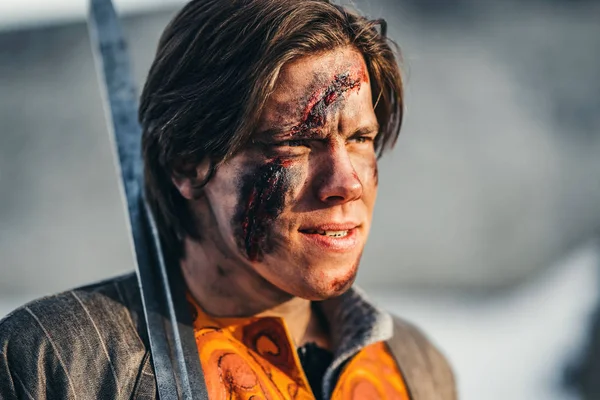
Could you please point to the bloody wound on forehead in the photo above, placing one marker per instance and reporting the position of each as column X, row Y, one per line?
column 323, row 101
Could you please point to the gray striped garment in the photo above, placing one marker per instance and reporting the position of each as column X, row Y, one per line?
column 90, row 343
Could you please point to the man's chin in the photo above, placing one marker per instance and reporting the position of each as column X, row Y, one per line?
column 316, row 279
column 330, row 285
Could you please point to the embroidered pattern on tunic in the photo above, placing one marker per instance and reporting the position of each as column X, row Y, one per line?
column 371, row 375
column 254, row 358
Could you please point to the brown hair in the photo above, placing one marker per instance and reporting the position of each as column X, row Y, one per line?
column 216, row 64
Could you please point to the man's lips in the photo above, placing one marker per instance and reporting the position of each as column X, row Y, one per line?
column 333, row 237
column 345, row 226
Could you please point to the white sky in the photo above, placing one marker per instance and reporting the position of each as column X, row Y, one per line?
column 20, row 13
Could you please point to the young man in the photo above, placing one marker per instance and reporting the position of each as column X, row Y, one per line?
column 262, row 121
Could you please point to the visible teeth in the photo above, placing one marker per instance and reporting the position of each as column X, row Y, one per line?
column 334, row 233
column 329, row 233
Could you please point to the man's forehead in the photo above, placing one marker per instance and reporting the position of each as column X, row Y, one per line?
column 303, row 76
column 333, row 88
column 313, row 92
column 303, row 83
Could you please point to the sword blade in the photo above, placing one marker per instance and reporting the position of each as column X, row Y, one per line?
column 170, row 333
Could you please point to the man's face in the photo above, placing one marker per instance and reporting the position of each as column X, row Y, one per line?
column 296, row 204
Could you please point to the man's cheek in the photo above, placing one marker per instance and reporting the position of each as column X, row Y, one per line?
column 367, row 172
column 263, row 194
column 375, row 172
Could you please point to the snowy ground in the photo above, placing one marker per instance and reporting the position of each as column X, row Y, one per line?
column 516, row 345
column 508, row 346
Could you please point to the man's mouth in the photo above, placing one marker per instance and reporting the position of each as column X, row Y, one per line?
column 336, row 234
column 336, row 237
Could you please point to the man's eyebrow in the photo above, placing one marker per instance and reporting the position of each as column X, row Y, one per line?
column 275, row 132
column 286, row 133
column 366, row 130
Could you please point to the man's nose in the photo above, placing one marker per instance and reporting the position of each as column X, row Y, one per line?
column 338, row 182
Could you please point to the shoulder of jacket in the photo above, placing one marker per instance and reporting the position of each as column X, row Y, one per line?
column 112, row 295
column 92, row 329
column 426, row 371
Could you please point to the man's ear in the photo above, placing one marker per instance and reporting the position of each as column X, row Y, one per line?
column 190, row 181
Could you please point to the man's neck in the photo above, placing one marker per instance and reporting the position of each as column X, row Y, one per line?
column 227, row 288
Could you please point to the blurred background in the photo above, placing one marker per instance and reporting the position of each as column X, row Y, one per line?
column 486, row 229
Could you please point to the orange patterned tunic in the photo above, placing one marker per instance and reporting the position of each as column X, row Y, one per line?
column 254, row 358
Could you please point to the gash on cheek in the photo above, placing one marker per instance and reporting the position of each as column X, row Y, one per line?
column 262, row 198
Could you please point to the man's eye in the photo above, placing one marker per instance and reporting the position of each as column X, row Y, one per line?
column 361, row 139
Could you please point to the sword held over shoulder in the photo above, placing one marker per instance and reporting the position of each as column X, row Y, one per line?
column 168, row 321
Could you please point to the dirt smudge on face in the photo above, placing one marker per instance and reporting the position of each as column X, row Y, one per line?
column 262, row 199
column 221, row 271
column 343, row 283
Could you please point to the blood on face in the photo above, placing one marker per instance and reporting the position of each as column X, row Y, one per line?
column 263, row 192
column 264, row 189
column 323, row 102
